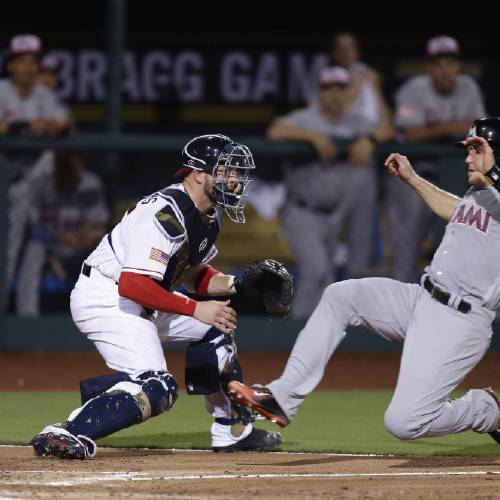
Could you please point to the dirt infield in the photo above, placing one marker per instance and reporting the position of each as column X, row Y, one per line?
column 154, row 474
column 63, row 371
column 157, row 474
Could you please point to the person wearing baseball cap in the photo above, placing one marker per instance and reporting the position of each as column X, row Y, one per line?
column 321, row 189
column 436, row 106
column 49, row 72
column 25, row 109
column 24, row 44
column 365, row 95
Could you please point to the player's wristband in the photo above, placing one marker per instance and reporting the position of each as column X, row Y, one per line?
column 202, row 279
column 493, row 176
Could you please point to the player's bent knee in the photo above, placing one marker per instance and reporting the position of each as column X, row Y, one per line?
column 399, row 424
column 159, row 392
column 338, row 293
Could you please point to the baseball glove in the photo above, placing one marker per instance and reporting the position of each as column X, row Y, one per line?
column 269, row 281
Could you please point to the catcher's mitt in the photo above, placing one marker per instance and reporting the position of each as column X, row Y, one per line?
column 269, row 281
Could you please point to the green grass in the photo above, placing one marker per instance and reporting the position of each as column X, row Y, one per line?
column 329, row 421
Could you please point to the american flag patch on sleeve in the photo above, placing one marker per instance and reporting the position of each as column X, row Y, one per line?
column 158, row 255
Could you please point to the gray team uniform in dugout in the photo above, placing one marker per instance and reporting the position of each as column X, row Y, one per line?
column 418, row 104
column 41, row 102
column 442, row 344
column 321, row 197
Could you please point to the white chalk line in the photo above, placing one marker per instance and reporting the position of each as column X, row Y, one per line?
column 191, row 450
column 142, row 476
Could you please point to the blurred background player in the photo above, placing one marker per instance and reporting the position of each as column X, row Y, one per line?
column 437, row 106
column 48, row 76
column 67, row 217
column 364, row 92
column 31, row 110
column 322, row 194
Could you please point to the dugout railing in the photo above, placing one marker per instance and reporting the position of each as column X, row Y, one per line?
column 56, row 332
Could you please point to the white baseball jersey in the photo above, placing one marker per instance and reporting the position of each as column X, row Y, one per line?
column 161, row 236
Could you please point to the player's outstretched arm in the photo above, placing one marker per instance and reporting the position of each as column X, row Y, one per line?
column 441, row 202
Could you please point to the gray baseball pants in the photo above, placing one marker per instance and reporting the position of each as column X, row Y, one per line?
column 441, row 346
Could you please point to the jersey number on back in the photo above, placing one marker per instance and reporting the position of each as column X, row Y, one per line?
column 145, row 201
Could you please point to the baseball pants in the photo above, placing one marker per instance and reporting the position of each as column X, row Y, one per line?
column 313, row 235
column 128, row 339
column 441, row 346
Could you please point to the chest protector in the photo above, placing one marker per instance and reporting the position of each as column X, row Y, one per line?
column 201, row 233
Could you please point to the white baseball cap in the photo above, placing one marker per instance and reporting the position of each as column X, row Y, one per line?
column 25, row 44
column 333, row 75
column 443, row 46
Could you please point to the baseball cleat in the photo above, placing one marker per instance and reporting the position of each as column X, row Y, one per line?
column 259, row 399
column 257, row 440
column 494, row 434
column 254, row 414
column 58, row 442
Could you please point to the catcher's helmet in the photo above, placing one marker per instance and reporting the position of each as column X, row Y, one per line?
column 488, row 128
column 229, row 163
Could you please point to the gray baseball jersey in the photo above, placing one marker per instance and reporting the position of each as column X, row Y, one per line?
column 419, row 104
column 41, row 102
column 466, row 262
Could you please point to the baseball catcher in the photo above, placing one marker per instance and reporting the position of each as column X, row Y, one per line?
column 126, row 302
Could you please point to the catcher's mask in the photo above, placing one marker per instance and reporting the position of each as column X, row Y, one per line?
column 229, row 163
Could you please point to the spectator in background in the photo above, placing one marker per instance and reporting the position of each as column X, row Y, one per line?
column 437, row 106
column 364, row 93
column 48, row 76
column 325, row 193
column 67, row 217
column 27, row 108
column 30, row 110
column 49, row 72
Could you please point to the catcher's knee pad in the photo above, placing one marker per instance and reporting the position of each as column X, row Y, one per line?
column 124, row 404
column 161, row 390
column 206, row 360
